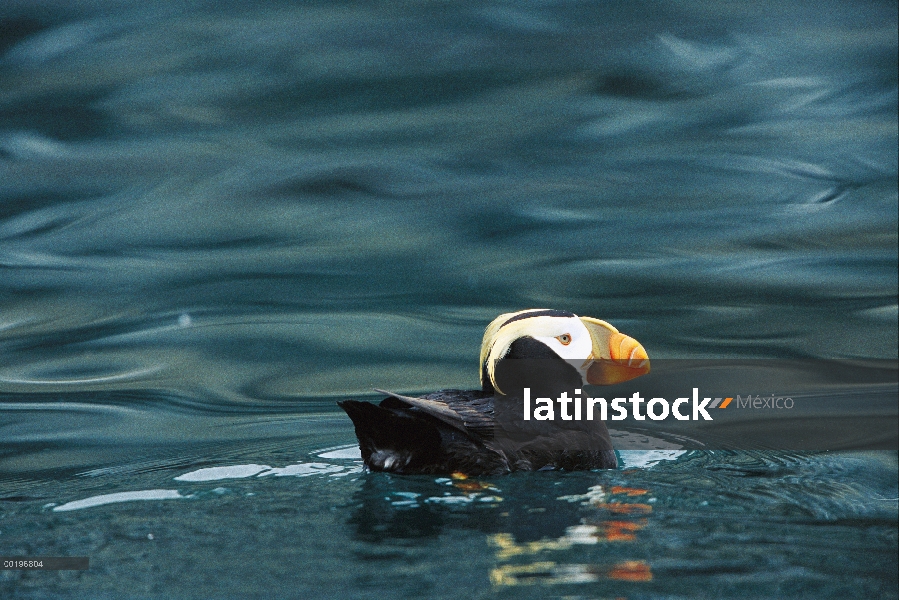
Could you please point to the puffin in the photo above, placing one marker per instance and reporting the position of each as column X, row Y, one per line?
column 534, row 352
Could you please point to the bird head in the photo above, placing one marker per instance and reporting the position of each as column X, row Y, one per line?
column 591, row 351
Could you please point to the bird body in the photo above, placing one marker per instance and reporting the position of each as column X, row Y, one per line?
column 475, row 431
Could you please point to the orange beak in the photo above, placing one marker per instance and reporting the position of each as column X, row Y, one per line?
column 627, row 360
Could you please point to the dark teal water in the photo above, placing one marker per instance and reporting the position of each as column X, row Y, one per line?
column 218, row 218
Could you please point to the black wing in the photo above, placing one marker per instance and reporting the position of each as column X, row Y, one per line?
column 469, row 411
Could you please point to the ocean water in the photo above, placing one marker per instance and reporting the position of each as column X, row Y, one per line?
column 218, row 218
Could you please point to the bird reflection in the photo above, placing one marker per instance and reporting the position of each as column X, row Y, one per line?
column 544, row 540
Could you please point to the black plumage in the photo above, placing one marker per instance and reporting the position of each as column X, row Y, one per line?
column 483, row 431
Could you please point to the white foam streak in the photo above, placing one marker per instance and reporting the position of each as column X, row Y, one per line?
column 303, row 470
column 644, row 459
column 350, row 452
column 119, row 497
column 216, row 473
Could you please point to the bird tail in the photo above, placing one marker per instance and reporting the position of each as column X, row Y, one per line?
column 391, row 439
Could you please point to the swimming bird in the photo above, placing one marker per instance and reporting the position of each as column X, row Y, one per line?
column 476, row 432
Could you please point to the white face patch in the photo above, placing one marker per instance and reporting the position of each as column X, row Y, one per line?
column 553, row 332
column 580, row 345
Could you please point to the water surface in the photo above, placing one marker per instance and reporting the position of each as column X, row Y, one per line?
column 218, row 218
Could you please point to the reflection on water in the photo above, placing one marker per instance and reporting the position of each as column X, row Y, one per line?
column 666, row 522
column 622, row 527
column 216, row 219
column 704, row 519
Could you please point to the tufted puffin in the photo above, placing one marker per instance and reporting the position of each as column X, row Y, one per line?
column 450, row 431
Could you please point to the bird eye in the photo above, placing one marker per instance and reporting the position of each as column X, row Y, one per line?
column 565, row 338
